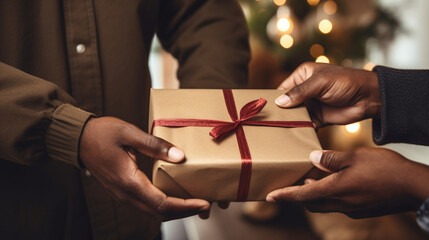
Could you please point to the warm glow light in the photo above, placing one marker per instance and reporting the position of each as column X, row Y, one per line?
column 330, row 7
column 283, row 24
column 283, row 12
column 325, row 26
column 313, row 2
column 353, row 128
column 316, row 50
column 279, row 2
column 322, row 59
column 369, row 66
column 286, row 41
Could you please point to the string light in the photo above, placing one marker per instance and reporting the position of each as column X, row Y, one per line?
column 353, row 128
column 279, row 2
column 286, row 41
column 330, row 7
column 284, row 24
column 316, row 50
column 313, row 2
column 322, row 59
column 325, row 26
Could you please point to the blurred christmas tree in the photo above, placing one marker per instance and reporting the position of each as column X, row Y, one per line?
column 319, row 30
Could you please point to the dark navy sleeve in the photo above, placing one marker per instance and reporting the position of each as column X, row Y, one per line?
column 405, row 107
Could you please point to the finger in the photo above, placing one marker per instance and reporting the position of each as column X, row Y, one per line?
column 316, row 190
column 298, row 76
column 223, row 205
column 140, row 205
column 311, row 88
column 174, row 208
column 314, row 108
column 325, row 206
column 205, row 214
column 314, row 173
column 315, row 158
column 314, row 202
column 152, row 146
column 344, row 115
column 168, row 207
column 123, row 196
column 330, row 161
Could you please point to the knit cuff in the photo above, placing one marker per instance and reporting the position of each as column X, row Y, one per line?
column 63, row 134
column 404, row 115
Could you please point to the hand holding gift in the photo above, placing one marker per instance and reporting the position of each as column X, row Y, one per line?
column 107, row 149
column 333, row 94
column 370, row 181
column 366, row 182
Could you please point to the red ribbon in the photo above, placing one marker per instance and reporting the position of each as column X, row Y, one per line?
column 223, row 128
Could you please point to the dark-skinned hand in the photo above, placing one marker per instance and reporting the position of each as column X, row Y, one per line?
column 332, row 94
column 107, row 149
column 367, row 182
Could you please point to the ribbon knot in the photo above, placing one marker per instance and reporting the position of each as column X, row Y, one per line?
column 248, row 111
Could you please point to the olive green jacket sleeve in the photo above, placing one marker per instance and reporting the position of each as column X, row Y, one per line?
column 38, row 121
column 209, row 38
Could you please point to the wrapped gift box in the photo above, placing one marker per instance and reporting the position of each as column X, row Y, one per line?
column 222, row 169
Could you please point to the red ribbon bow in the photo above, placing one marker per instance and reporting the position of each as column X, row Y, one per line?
column 223, row 128
column 249, row 110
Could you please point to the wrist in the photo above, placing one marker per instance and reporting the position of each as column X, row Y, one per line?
column 83, row 139
column 374, row 103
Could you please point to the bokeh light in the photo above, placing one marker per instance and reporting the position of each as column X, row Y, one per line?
column 325, row 26
column 353, row 128
column 279, row 2
column 330, row 7
column 322, row 59
column 286, row 41
column 283, row 24
column 316, row 50
column 313, row 2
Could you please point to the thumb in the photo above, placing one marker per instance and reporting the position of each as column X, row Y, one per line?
column 300, row 93
column 151, row 146
column 330, row 161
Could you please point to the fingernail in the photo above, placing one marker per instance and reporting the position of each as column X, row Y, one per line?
column 283, row 100
column 315, row 156
column 175, row 154
column 270, row 199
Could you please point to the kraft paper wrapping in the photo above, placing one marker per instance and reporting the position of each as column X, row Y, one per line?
column 211, row 171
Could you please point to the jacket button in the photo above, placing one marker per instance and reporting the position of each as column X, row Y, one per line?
column 87, row 173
